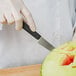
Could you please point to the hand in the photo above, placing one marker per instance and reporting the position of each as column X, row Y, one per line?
column 14, row 11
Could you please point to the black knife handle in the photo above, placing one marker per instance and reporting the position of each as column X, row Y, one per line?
column 34, row 34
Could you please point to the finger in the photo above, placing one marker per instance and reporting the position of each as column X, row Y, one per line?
column 18, row 21
column 9, row 18
column 2, row 19
column 28, row 19
column 19, row 24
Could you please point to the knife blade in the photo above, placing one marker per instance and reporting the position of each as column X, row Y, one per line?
column 37, row 36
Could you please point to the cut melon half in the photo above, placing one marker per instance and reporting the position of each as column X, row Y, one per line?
column 61, row 61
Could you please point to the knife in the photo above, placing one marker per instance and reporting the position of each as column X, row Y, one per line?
column 38, row 37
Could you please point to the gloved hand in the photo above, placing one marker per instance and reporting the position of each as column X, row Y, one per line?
column 14, row 11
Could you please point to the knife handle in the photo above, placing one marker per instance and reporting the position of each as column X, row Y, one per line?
column 34, row 34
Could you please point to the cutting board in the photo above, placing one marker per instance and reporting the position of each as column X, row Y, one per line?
column 32, row 70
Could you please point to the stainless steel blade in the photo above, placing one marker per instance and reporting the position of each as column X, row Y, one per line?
column 45, row 44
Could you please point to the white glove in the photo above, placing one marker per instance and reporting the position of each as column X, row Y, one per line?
column 14, row 11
